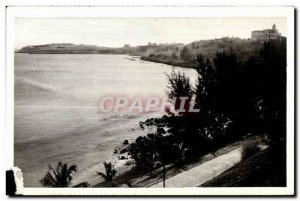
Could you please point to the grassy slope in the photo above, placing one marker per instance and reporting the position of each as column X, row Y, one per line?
column 264, row 169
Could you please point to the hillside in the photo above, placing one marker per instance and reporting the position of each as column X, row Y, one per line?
column 173, row 54
column 187, row 54
column 264, row 169
column 69, row 48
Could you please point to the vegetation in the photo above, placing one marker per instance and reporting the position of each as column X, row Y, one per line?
column 110, row 172
column 235, row 98
column 186, row 55
column 264, row 169
column 58, row 177
column 240, row 89
column 249, row 151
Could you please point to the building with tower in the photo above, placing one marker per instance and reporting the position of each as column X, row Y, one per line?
column 266, row 34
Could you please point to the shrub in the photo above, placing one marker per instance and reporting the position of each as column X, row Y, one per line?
column 60, row 176
column 249, row 150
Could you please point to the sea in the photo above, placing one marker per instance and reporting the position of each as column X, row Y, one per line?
column 57, row 115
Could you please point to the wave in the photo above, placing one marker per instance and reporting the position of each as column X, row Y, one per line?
column 39, row 85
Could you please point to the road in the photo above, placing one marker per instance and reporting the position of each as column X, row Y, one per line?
column 204, row 172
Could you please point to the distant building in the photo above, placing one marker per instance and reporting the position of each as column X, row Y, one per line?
column 266, row 35
column 151, row 44
column 126, row 45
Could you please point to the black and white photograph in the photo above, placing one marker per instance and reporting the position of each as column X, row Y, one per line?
column 144, row 101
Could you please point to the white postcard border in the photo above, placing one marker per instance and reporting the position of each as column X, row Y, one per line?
column 153, row 11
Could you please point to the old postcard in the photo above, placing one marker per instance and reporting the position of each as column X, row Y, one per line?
column 150, row 100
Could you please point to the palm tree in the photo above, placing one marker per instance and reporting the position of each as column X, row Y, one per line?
column 110, row 172
column 58, row 177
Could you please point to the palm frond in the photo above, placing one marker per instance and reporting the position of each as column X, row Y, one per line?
column 48, row 180
column 60, row 176
column 72, row 168
column 102, row 175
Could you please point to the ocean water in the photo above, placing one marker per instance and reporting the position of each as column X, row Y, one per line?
column 57, row 117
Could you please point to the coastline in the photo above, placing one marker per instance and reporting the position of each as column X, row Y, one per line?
column 182, row 65
column 143, row 58
column 129, row 177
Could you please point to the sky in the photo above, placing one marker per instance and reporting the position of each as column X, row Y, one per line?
column 115, row 32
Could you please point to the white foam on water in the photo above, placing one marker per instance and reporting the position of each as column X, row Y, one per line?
column 56, row 114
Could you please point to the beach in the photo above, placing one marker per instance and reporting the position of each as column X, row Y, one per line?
column 56, row 109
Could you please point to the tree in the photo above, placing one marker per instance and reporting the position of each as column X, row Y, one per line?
column 201, row 62
column 143, row 152
column 58, row 177
column 179, row 85
column 110, row 172
column 174, row 56
column 205, row 87
column 165, row 150
column 185, row 54
column 270, row 90
column 234, row 98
